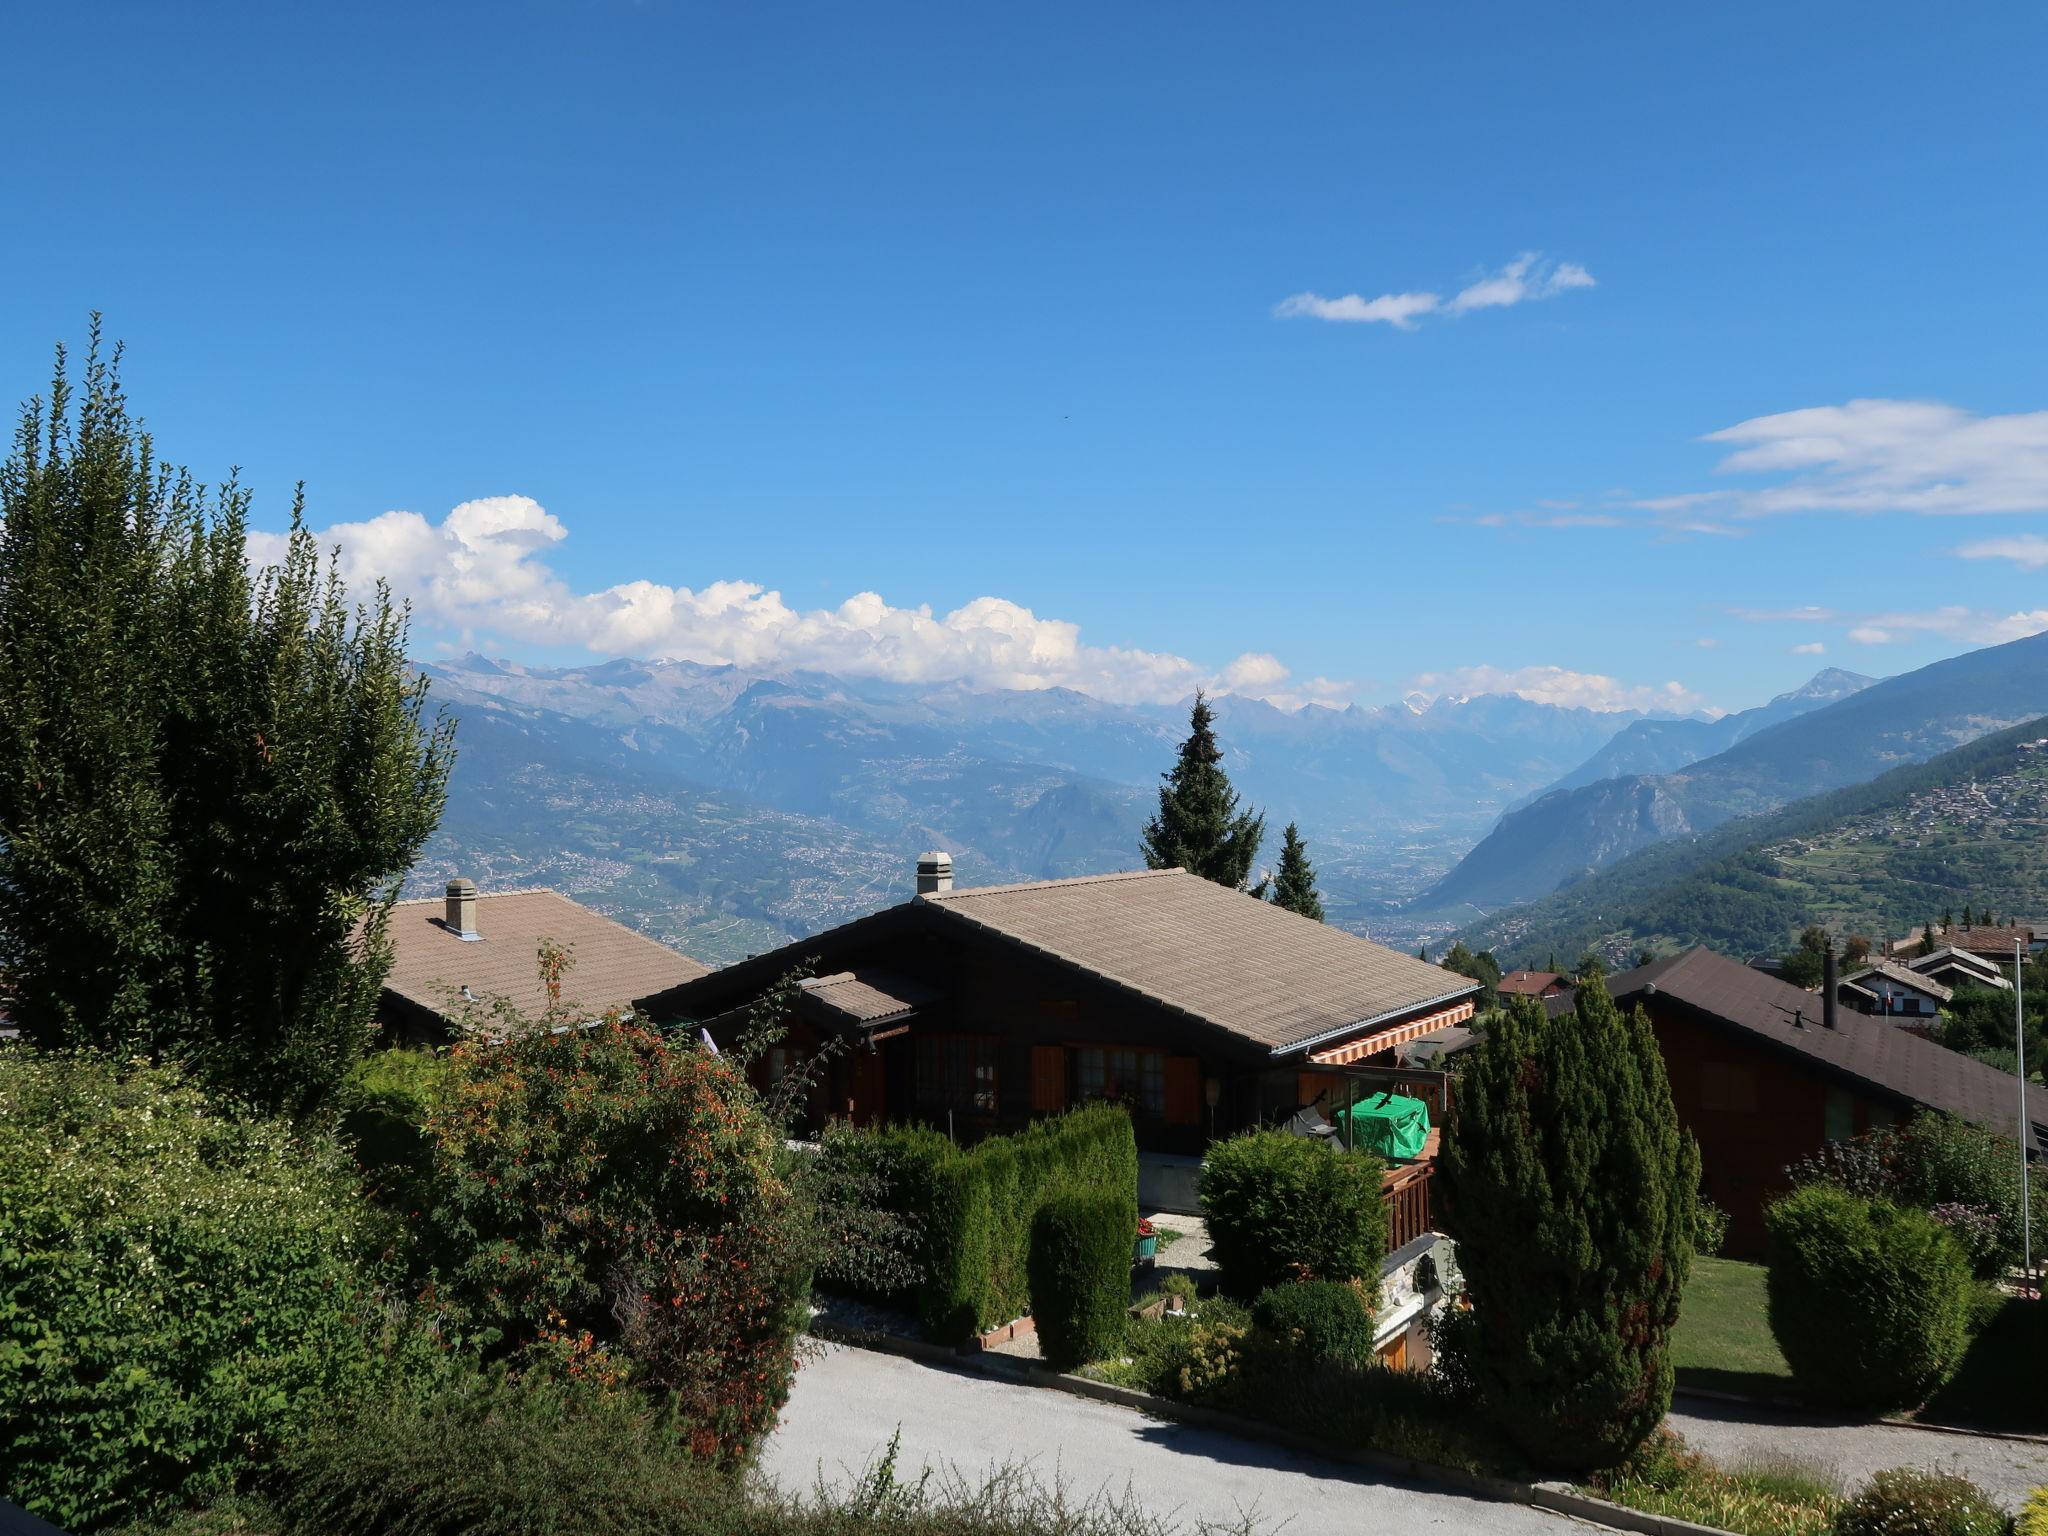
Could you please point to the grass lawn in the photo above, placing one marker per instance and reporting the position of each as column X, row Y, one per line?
column 1723, row 1343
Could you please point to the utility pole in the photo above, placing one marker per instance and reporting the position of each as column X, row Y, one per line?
column 2019, row 1040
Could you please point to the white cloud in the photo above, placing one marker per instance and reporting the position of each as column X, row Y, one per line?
column 1811, row 648
column 1559, row 685
column 1810, row 614
column 1972, row 626
column 1396, row 309
column 1707, row 643
column 1528, row 277
column 482, row 571
column 2028, row 551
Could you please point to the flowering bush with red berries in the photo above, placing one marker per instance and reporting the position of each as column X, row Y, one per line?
column 613, row 1202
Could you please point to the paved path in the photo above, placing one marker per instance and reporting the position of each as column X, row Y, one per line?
column 848, row 1402
column 1730, row 1432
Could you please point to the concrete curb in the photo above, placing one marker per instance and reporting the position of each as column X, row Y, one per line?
column 1558, row 1498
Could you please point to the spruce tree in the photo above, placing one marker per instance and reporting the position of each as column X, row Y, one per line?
column 210, row 784
column 1199, row 827
column 1575, row 1190
column 1294, row 887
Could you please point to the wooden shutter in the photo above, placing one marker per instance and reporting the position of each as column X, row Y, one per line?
column 1183, row 1090
column 1048, row 1079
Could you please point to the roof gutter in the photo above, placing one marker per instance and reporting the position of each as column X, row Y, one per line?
column 1379, row 1018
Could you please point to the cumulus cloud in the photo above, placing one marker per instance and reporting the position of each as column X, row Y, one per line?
column 1972, row 626
column 1559, row 685
column 481, row 571
column 2028, row 551
column 1528, row 277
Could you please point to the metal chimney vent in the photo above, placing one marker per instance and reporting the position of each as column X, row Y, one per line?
column 934, row 872
column 460, row 918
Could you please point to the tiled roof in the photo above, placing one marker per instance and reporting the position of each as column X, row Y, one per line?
column 1992, row 943
column 1528, row 983
column 1894, row 1062
column 611, row 964
column 1901, row 976
column 1241, row 964
column 864, row 998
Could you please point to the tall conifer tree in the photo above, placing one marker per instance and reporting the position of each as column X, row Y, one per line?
column 1294, row 885
column 209, row 784
column 1199, row 827
column 1575, row 1190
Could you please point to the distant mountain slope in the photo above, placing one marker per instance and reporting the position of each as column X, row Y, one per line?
column 1663, row 746
column 1569, row 833
column 1968, row 826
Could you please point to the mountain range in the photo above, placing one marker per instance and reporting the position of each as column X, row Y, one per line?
column 1573, row 830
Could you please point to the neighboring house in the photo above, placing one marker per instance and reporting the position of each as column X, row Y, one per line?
column 1764, row 1074
column 489, row 946
column 1993, row 943
column 1894, row 991
column 1202, row 1008
column 1957, row 968
column 1534, row 984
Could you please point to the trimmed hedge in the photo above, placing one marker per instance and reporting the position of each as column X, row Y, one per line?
column 1325, row 1321
column 977, row 1208
column 1080, row 1272
column 1869, row 1302
column 1282, row 1208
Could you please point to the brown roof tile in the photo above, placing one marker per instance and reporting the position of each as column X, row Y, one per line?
column 1244, row 965
column 1895, row 1062
column 867, row 997
column 612, row 965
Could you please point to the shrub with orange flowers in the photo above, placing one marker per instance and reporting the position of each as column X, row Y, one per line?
column 613, row 1203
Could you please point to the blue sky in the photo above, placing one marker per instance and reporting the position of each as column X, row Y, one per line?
column 947, row 303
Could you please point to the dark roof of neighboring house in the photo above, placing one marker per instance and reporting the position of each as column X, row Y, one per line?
column 866, row 998
column 1245, row 965
column 1948, row 954
column 1262, row 975
column 1529, row 983
column 1892, row 1063
column 1899, row 975
column 611, row 965
column 1988, row 942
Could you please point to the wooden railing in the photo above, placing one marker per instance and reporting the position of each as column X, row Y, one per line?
column 1407, row 1194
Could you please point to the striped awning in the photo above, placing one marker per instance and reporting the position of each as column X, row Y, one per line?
column 1398, row 1034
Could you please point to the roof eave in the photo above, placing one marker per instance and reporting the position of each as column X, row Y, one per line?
column 1312, row 1041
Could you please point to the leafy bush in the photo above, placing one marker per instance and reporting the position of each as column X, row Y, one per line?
column 1870, row 1303
column 2033, row 1519
column 1574, row 1187
column 1283, row 1208
column 616, row 1202
column 872, row 1189
column 181, row 1289
column 1906, row 1501
column 1709, row 1228
column 1320, row 1320
column 1935, row 1160
column 980, row 1205
column 1453, row 1336
column 385, row 1103
column 1081, row 1274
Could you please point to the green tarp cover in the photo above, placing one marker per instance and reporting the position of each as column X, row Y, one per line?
column 1390, row 1124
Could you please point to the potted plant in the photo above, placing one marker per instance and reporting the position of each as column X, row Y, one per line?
column 1146, row 1248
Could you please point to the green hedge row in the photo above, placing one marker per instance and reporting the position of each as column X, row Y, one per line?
column 974, row 1208
column 1080, row 1270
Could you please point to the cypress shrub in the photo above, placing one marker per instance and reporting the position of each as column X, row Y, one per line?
column 1869, row 1302
column 1575, row 1192
column 1080, row 1272
column 1318, row 1320
column 1282, row 1208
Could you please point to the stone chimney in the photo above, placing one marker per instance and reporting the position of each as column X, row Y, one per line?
column 934, row 872
column 1830, row 1002
column 461, row 914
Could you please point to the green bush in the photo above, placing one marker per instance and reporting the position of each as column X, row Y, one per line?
column 1283, row 1208
column 2033, row 1519
column 977, row 1228
column 181, row 1289
column 1908, row 1502
column 1870, row 1303
column 1321, row 1320
column 1709, row 1228
column 874, row 1192
column 385, row 1103
column 1453, row 1339
column 1080, row 1272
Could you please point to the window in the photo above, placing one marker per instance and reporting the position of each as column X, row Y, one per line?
column 1840, row 1115
column 1116, row 1072
column 957, row 1072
